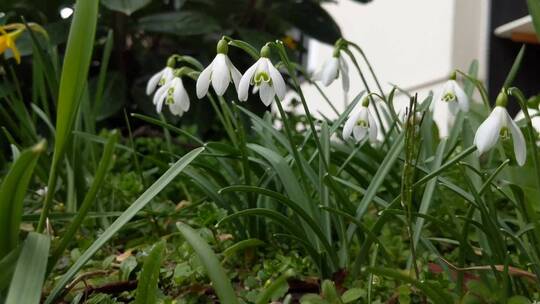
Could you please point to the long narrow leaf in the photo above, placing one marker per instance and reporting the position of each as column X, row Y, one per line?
column 30, row 271
column 12, row 192
column 148, row 280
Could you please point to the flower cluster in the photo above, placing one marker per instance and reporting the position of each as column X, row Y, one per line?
column 262, row 75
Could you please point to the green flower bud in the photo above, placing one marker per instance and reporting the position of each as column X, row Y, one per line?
column 222, row 47
column 265, row 51
column 171, row 62
column 502, row 99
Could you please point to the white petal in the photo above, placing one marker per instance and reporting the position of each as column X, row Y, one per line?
column 203, row 82
column 344, row 71
column 162, row 90
column 372, row 129
column 277, row 81
column 181, row 98
column 462, row 98
column 349, row 125
column 344, row 64
column 176, row 109
column 220, row 74
column 267, row 93
column 443, row 117
column 330, row 71
column 488, row 132
column 162, row 97
column 168, row 74
column 235, row 74
column 243, row 87
column 520, row 148
column 359, row 133
column 153, row 82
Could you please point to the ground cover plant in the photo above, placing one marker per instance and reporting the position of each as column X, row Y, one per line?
column 435, row 204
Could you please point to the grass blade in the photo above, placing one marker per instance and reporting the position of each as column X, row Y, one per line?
column 148, row 280
column 30, row 271
column 222, row 284
column 12, row 192
column 126, row 216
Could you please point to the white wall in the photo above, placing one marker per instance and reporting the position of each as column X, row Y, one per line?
column 414, row 44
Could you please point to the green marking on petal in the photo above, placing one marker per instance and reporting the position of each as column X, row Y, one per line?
column 504, row 134
column 449, row 96
column 261, row 77
column 362, row 123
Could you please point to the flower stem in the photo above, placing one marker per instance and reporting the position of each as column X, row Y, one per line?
column 359, row 49
column 292, row 73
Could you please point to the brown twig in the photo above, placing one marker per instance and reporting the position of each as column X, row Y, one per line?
column 513, row 271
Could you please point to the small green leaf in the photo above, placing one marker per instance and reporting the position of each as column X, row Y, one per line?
column 222, row 284
column 352, row 295
column 148, row 280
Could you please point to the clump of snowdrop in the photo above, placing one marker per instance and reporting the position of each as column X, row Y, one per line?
column 499, row 125
column 173, row 94
column 219, row 73
column 450, row 100
column 361, row 124
column 264, row 76
column 333, row 68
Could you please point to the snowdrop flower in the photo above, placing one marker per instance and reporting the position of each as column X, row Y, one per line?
column 160, row 78
column 497, row 126
column 332, row 69
column 174, row 95
column 448, row 103
column 220, row 73
column 265, row 77
column 361, row 124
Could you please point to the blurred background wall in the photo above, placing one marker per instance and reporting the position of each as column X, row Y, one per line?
column 414, row 44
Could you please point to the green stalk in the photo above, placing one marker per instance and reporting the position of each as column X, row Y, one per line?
column 228, row 128
column 515, row 92
column 99, row 178
column 73, row 81
column 292, row 73
column 408, row 178
column 359, row 49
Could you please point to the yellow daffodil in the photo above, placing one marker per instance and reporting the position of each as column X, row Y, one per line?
column 9, row 34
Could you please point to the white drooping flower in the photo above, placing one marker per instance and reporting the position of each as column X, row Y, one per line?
column 159, row 79
column 220, row 73
column 265, row 77
column 174, row 95
column 450, row 100
column 333, row 68
column 499, row 124
column 361, row 124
